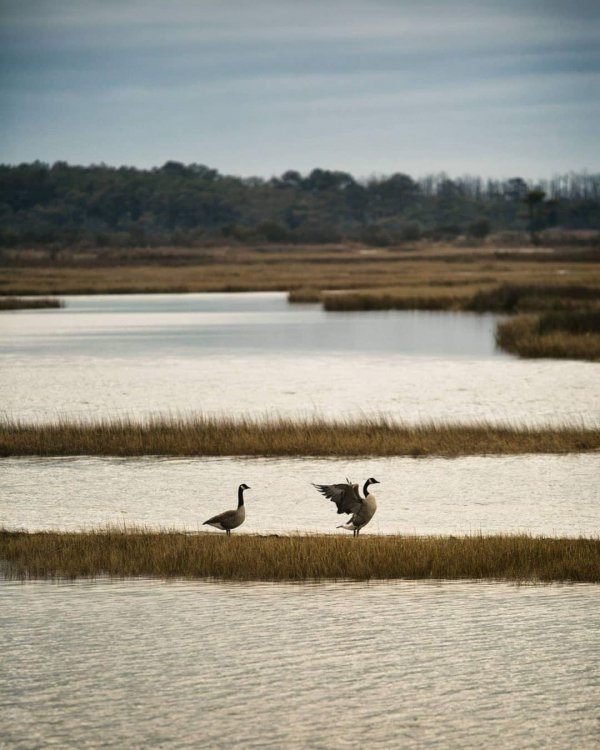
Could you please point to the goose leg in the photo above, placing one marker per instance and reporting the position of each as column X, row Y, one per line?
column 228, row 532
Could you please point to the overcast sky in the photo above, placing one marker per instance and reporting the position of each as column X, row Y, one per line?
column 489, row 87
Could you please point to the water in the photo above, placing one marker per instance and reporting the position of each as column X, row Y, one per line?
column 334, row 665
column 196, row 324
column 254, row 354
column 550, row 495
column 344, row 665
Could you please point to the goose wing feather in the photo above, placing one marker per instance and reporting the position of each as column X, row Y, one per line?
column 345, row 496
column 220, row 517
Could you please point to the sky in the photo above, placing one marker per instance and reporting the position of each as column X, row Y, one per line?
column 495, row 88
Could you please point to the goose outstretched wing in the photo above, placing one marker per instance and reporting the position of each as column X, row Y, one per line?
column 345, row 496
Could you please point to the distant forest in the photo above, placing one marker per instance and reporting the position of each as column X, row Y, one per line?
column 61, row 205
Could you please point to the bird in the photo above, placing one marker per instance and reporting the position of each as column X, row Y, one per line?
column 348, row 500
column 230, row 519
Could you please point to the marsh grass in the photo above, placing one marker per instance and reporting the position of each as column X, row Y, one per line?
column 321, row 268
column 558, row 336
column 167, row 554
column 304, row 295
column 33, row 303
column 402, row 299
column 511, row 298
column 478, row 296
column 580, row 322
column 214, row 436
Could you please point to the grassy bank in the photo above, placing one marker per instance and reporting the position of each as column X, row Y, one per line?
column 506, row 298
column 205, row 436
column 167, row 554
column 399, row 271
column 33, row 303
column 560, row 336
column 304, row 295
column 426, row 298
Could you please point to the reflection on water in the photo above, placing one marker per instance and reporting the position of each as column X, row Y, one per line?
column 551, row 495
column 254, row 353
column 196, row 324
column 212, row 665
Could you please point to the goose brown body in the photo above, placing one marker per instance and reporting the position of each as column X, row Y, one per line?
column 230, row 519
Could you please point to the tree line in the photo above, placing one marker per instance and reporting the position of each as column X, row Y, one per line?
column 61, row 204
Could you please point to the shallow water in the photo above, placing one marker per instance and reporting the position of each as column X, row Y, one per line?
column 334, row 665
column 195, row 324
column 551, row 495
column 255, row 354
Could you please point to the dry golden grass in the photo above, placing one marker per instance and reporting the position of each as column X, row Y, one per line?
column 235, row 269
column 18, row 303
column 208, row 436
column 405, row 298
column 521, row 335
column 479, row 296
column 167, row 554
column 304, row 295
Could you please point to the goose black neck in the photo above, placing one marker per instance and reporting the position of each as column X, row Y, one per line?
column 240, row 496
column 366, row 488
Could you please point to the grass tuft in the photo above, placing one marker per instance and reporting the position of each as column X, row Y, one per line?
column 167, row 554
column 32, row 303
column 512, row 298
column 304, row 295
column 557, row 335
column 227, row 436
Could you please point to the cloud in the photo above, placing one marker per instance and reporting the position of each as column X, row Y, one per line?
column 137, row 23
column 257, row 77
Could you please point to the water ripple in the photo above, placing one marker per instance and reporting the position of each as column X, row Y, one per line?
column 196, row 664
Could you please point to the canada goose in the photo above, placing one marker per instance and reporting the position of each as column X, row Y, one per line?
column 348, row 500
column 230, row 519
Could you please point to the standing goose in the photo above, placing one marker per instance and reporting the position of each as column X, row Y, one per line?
column 348, row 500
column 230, row 519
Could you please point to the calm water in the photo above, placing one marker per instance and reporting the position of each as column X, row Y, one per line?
column 552, row 495
column 345, row 665
column 195, row 324
column 255, row 354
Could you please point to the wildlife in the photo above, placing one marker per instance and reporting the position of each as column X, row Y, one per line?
column 348, row 500
column 230, row 519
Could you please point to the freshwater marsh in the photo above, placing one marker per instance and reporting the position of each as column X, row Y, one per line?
column 120, row 662
column 253, row 354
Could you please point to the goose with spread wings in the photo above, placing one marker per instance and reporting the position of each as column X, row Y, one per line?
column 348, row 500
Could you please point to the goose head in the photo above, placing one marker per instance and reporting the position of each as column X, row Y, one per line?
column 368, row 483
column 241, row 489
